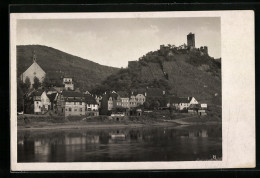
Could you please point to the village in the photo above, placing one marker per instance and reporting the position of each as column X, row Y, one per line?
column 66, row 100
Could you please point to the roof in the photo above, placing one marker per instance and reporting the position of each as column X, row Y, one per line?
column 51, row 89
column 71, row 94
column 59, row 89
column 38, row 92
column 89, row 99
column 123, row 94
column 175, row 99
column 74, row 99
column 113, row 95
column 52, row 96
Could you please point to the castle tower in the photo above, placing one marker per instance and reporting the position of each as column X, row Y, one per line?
column 191, row 40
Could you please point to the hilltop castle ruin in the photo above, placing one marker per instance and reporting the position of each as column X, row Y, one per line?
column 171, row 50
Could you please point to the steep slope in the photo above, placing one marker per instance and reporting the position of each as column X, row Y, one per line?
column 55, row 63
column 183, row 73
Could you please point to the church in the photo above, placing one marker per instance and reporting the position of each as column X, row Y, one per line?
column 33, row 71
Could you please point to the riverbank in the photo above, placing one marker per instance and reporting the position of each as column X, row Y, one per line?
column 89, row 125
column 155, row 119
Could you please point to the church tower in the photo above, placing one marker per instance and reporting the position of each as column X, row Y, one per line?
column 34, row 56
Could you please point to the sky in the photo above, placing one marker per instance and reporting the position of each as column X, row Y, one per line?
column 114, row 42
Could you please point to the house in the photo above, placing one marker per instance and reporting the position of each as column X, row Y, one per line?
column 140, row 99
column 139, row 112
column 91, row 106
column 41, row 102
column 60, row 103
column 203, row 105
column 112, row 101
column 98, row 100
column 108, row 102
column 68, row 83
column 123, row 99
column 181, row 103
column 74, row 103
column 132, row 101
column 32, row 72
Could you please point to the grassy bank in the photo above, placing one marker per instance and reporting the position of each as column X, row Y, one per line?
column 155, row 118
column 57, row 122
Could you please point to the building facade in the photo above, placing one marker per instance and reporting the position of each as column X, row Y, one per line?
column 74, row 103
column 41, row 102
column 91, row 106
column 32, row 72
column 68, row 83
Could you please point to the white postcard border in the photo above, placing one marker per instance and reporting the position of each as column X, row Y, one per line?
column 238, row 93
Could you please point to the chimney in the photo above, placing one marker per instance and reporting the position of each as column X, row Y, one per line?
column 145, row 94
column 163, row 92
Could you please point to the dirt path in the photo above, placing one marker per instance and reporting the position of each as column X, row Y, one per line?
column 180, row 121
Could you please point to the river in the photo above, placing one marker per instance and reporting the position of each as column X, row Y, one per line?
column 182, row 143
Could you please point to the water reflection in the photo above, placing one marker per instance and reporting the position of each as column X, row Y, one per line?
column 127, row 144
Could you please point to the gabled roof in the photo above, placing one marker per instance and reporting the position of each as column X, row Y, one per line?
column 178, row 100
column 38, row 92
column 59, row 89
column 34, row 64
column 113, row 95
column 122, row 94
column 89, row 99
column 52, row 96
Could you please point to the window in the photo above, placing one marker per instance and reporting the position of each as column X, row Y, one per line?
column 80, row 109
column 69, row 109
column 39, row 106
column 74, row 103
column 80, row 103
column 37, row 102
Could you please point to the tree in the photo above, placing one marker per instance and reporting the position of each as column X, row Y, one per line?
column 46, row 81
column 36, row 83
column 20, row 99
column 146, row 104
column 27, row 83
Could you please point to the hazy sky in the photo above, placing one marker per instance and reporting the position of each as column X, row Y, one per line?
column 114, row 42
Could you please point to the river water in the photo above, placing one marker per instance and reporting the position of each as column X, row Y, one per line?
column 182, row 143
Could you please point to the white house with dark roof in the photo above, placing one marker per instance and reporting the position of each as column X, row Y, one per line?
column 181, row 103
column 41, row 102
column 91, row 105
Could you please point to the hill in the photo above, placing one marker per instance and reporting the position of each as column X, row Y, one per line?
column 181, row 72
column 55, row 63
